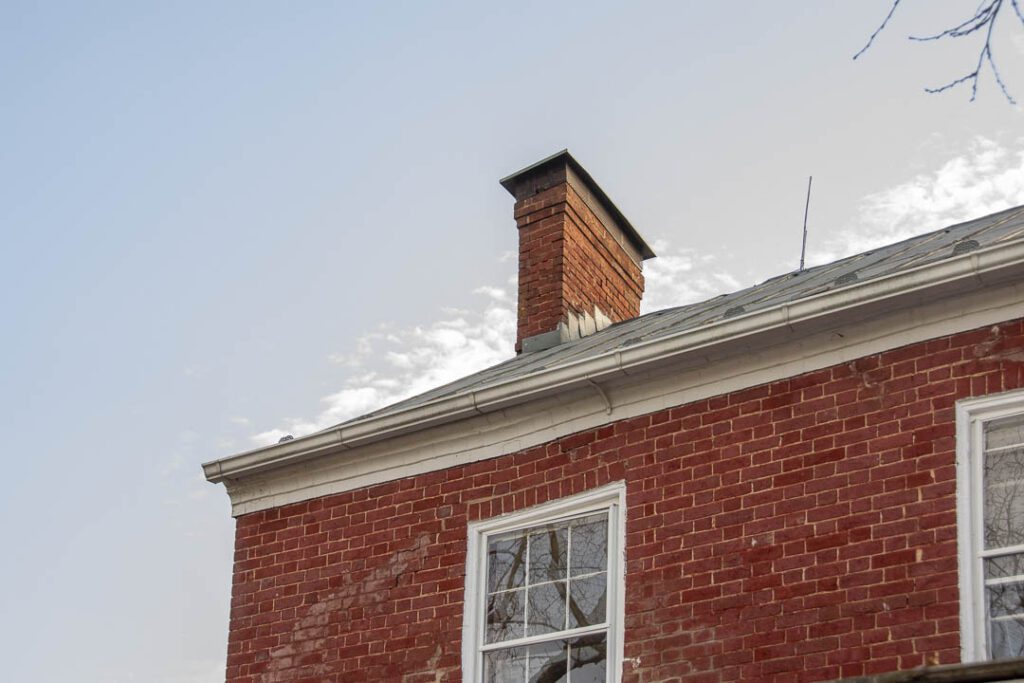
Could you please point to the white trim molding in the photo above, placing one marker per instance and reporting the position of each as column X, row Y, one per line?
column 971, row 417
column 960, row 293
column 610, row 499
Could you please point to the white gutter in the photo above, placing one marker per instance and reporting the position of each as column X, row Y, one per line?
column 932, row 281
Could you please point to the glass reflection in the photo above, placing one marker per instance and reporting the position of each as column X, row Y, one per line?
column 546, row 608
column 548, row 551
column 506, row 562
column 1005, row 599
column 587, row 600
column 548, row 662
column 589, row 659
column 505, row 666
column 590, row 545
column 1004, row 566
column 542, row 581
column 1004, row 482
column 581, row 660
column 505, row 616
column 1007, row 638
column 1004, row 498
column 1004, row 433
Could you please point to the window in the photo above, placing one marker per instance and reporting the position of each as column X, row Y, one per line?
column 544, row 593
column 990, row 520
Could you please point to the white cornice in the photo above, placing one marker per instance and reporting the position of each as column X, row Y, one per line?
column 506, row 415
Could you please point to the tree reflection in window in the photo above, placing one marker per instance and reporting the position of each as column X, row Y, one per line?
column 1004, row 535
column 542, row 581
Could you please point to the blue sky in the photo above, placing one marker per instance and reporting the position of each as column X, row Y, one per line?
column 226, row 221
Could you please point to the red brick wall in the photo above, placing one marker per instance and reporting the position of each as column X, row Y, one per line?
column 797, row 531
column 569, row 262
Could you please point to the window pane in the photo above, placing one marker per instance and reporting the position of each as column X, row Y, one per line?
column 505, row 616
column 505, row 666
column 1004, row 567
column 506, row 562
column 1006, row 638
column 1005, row 599
column 548, row 662
column 546, row 610
column 547, row 554
column 1005, row 432
column 589, row 656
column 589, row 544
column 587, row 600
column 1004, row 498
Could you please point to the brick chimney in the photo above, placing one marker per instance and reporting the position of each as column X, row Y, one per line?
column 580, row 260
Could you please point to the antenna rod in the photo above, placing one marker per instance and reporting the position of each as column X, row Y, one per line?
column 803, row 247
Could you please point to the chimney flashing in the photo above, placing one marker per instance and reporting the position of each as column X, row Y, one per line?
column 563, row 167
column 579, row 325
column 545, row 340
column 580, row 260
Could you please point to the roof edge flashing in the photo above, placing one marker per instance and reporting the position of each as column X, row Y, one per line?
column 974, row 270
column 515, row 181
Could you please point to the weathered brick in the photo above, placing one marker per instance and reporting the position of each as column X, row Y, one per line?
column 830, row 552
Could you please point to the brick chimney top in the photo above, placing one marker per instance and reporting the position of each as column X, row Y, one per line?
column 531, row 180
column 580, row 259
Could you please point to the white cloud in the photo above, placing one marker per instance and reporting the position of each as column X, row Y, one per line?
column 496, row 293
column 398, row 363
column 985, row 178
column 407, row 362
column 682, row 276
column 394, row 364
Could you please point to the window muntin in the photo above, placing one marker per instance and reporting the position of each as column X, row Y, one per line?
column 544, row 593
column 547, row 579
column 990, row 518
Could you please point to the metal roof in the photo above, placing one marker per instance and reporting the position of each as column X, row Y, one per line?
column 1004, row 226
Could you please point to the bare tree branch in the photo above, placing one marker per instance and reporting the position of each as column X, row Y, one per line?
column 983, row 18
column 1016, row 8
column 892, row 10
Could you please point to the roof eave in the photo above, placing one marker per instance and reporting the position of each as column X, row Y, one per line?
column 974, row 270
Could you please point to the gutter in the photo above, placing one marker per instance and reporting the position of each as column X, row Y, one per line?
column 971, row 271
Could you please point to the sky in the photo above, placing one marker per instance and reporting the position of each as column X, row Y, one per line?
column 224, row 222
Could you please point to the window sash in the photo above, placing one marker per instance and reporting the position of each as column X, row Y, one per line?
column 529, row 533
column 1000, row 552
column 551, row 581
column 563, row 634
column 533, row 640
column 1002, row 580
column 972, row 415
column 609, row 499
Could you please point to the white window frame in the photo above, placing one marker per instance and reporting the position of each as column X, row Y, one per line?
column 971, row 416
column 610, row 499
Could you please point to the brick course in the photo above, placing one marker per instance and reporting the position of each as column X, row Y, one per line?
column 569, row 263
column 800, row 530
